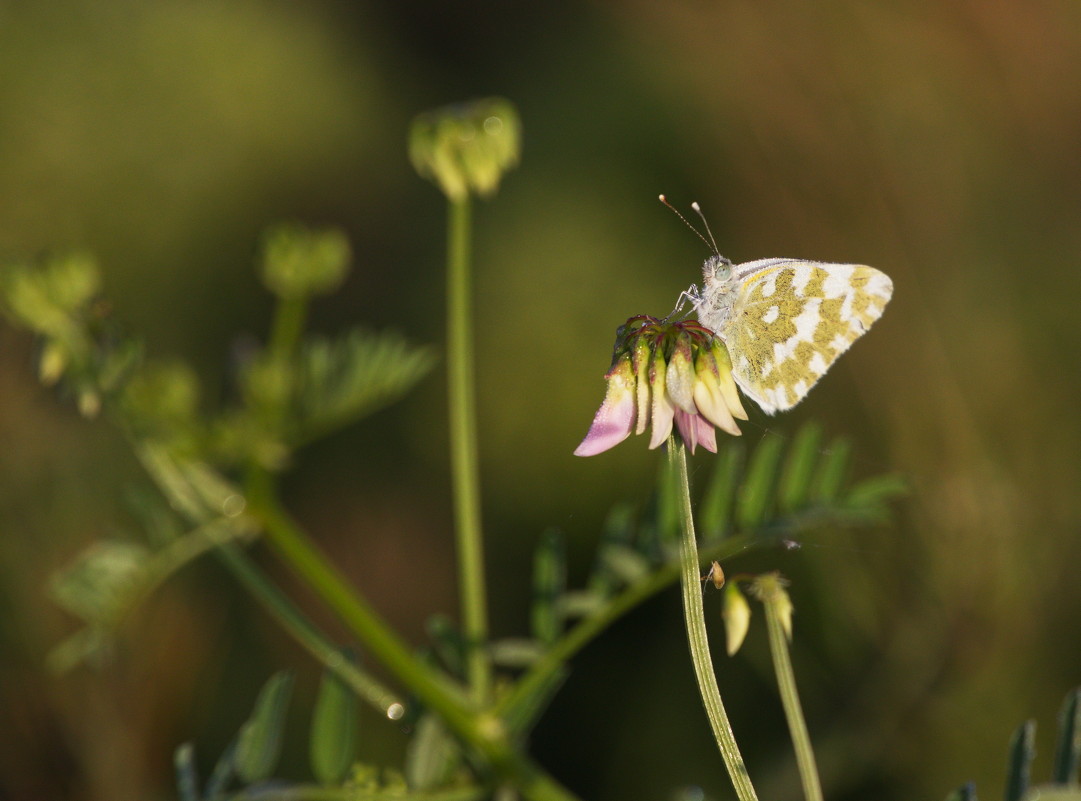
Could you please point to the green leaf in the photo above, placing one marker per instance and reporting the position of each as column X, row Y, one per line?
column 334, row 730
column 618, row 531
column 966, row 792
column 223, row 773
column 757, row 490
column 720, row 497
column 516, row 652
column 187, row 779
column 260, row 739
column 347, row 378
column 579, row 603
column 832, row 472
column 799, row 468
column 626, row 563
column 101, row 584
column 549, row 582
column 1068, row 741
column 869, row 498
column 1022, row 751
column 432, row 756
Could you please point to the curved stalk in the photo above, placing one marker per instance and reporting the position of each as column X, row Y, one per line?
column 696, row 630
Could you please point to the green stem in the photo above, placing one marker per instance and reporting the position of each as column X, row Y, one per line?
column 463, row 451
column 482, row 731
column 589, row 627
column 288, row 325
column 293, row 621
column 786, row 683
column 696, row 630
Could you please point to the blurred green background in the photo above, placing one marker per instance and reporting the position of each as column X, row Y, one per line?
column 938, row 142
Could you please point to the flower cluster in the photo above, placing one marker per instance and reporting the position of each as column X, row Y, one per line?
column 663, row 373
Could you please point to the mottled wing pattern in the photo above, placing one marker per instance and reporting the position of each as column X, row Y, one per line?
column 791, row 320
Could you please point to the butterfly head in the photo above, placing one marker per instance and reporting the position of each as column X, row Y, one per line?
column 716, row 271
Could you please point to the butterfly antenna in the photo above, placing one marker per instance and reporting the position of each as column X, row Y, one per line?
column 702, row 217
column 705, row 241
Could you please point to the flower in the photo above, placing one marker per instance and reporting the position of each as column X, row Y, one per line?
column 664, row 373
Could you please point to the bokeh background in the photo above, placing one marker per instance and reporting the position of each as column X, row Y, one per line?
column 940, row 142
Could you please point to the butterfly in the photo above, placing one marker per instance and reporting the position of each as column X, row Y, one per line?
column 785, row 321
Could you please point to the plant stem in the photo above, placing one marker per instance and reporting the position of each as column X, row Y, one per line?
column 293, row 621
column 696, row 630
column 463, row 450
column 786, row 684
column 589, row 627
column 482, row 731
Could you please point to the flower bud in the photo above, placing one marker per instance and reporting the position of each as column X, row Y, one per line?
column 466, row 148
column 298, row 262
column 737, row 617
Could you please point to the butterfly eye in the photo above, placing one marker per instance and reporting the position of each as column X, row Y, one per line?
column 719, row 268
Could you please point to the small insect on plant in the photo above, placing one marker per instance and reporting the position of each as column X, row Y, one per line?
column 783, row 321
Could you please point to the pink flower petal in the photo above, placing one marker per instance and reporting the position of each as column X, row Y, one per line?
column 614, row 420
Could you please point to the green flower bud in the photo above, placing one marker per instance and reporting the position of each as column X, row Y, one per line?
column 298, row 262
column 737, row 617
column 466, row 148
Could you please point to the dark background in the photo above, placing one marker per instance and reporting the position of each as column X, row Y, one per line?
column 938, row 142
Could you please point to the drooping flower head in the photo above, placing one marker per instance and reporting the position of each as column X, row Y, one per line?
column 664, row 373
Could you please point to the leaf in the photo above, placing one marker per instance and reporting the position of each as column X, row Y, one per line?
column 223, row 772
column 795, row 485
column 720, row 496
column 516, row 652
column 347, row 378
column 618, row 531
column 260, row 739
column 831, row 473
column 966, row 792
column 432, row 756
column 579, row 603
column 100, row 585
column 626, row 563
column 187, row 779
column 334, row 730
column 1022, row 751
column 1068, row 741
column 549, row 582
column 757, row 490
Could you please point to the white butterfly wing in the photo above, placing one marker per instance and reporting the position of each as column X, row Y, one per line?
column 791, row 319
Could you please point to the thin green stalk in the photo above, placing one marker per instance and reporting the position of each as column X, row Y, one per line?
column 482, row 731
column 288, row 325
column 541, row 672
column 293, row 621
column 786, row 683
column 463, row 451
column 696, row 630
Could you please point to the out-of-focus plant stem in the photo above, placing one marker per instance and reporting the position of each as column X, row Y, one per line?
column 293, row 621
column 463, row 449
column 696, row 629
column 786, row 682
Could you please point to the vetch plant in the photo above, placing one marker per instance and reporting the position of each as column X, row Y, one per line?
column 471, row 702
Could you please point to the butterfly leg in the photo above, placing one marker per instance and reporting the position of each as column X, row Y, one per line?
column 690, row 295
